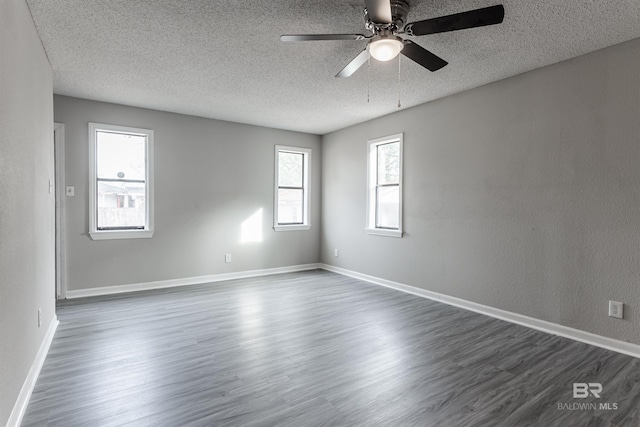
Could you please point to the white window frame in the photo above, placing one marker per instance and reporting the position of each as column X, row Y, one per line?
column 372, row 173
column 306, row 185
column 94, row 233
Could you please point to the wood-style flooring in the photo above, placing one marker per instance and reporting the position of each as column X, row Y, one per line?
column 316, row 349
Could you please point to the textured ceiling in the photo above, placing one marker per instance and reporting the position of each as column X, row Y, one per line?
column 224, row 59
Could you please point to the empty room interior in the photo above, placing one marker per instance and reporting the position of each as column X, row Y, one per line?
column 336, row 213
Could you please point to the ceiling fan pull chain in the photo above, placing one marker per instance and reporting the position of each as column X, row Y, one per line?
column 399, row 104
column 368, row 78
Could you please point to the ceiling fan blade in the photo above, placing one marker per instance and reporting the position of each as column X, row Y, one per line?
column 379, row 11
column 474, row 18
column 422, row 56
column 311, row 37
column 353, row 66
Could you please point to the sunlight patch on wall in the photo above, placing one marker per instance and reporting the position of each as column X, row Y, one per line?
column 251, row 228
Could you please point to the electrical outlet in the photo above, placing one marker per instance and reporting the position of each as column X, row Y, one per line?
column 39, row 317
column 227, row 258
column 336, row 253
column 616, row 309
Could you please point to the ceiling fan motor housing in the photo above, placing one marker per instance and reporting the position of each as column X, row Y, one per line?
column 399, row 12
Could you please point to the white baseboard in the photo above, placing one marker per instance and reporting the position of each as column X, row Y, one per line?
column 623, row 347
column 20, row 407
column 160, row 284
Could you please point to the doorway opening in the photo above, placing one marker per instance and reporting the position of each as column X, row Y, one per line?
column 61, row 250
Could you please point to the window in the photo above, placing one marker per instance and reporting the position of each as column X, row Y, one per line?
column 291, row 206
column 384, row 200
column 121, row 186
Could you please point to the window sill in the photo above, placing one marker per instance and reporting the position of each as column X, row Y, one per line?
column 291, row 227
column 383, row 232
column 121, row 234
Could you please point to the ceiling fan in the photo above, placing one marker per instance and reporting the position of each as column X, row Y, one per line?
column 385, row 19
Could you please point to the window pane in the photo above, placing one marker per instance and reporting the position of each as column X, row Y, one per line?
column 121, row 204
column 388, row 207
column 389, row 163
column 120, row 155
column 290, row 169
column 290, row 206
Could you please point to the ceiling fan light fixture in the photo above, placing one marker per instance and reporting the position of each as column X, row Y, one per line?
column 385, row 48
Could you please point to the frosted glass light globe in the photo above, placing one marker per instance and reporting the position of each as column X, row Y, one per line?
column 385, row 48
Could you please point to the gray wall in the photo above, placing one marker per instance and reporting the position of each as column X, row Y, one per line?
column 522, row 195
column 209, row 177
column 26, row 207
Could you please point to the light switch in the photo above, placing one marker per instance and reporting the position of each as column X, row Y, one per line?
column 71, row 191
